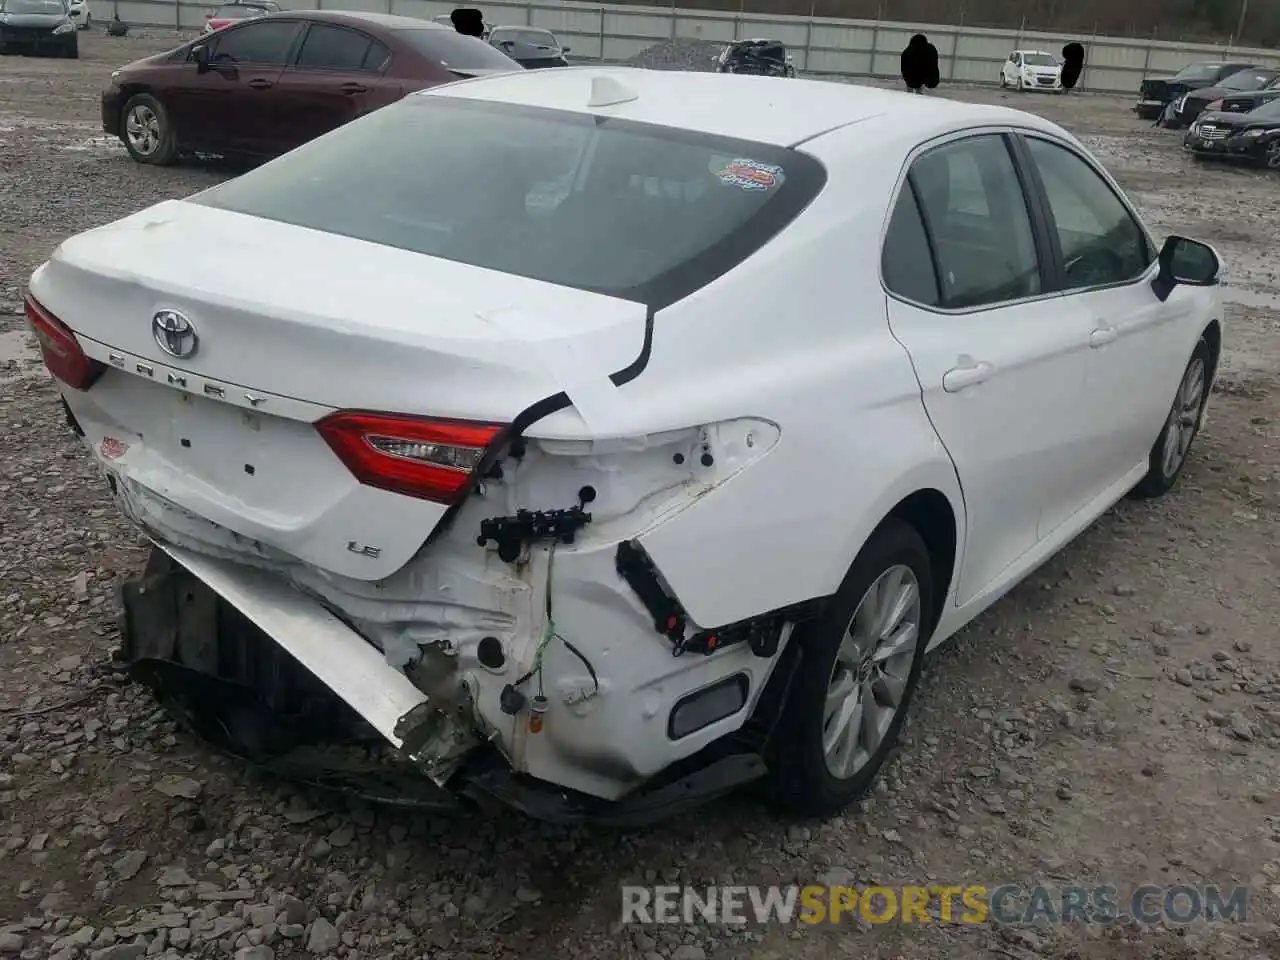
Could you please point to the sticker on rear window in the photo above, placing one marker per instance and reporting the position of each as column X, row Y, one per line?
column 749, row 174
column 113, row 449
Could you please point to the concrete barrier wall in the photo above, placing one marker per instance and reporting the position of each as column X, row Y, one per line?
column 865, row 48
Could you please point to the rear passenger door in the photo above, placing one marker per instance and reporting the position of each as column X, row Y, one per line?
column 1002, row 363
column 337, row 75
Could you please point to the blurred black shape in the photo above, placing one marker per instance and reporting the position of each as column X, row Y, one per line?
column 920, row 64
column 468, row 21
column 1072, row 64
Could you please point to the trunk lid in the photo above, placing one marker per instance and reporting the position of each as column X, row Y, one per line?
column 290, row 325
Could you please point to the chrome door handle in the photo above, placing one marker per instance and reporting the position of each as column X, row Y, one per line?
column 1102, row 336
column 958, row 378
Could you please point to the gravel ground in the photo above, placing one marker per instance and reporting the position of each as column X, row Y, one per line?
column 1115, row 720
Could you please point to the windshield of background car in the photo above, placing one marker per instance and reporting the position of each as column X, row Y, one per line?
column 1268, row 111
column 239, row 11
column 1040, row 60
column 50, row 7
column 1247, row 80
column 631, row 210
column 534, row 37
column 1198, row 71
column 455, row 51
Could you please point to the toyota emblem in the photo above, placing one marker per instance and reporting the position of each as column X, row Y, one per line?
column 174, row 333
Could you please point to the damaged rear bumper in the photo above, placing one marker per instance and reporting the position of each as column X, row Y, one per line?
column 262, row 671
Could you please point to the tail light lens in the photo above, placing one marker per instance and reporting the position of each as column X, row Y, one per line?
column 1216, row 105
column 429, row 459
column 60, row 348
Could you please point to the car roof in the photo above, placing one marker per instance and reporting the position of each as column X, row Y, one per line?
column 389, row 21
column 763, row 109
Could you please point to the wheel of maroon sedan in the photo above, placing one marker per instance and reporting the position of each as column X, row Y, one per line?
column 144, row 127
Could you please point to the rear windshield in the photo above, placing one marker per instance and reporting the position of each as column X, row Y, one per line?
column 455, row 51
column 1039, row 60
column 630, row 210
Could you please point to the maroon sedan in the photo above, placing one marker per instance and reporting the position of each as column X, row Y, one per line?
column 256, row 89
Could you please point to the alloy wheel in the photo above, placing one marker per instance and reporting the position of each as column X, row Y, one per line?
column 1184, row 418
column 142, row 127
column 870, row 675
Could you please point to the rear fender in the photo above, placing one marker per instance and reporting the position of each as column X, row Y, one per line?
column 727, row 560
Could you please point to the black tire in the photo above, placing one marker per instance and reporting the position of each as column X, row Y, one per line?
column 802, row 783
column 1161, row 477
column 1004, row 83
column 166, row 148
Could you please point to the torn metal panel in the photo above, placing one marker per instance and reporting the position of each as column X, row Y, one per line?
column 346, row 663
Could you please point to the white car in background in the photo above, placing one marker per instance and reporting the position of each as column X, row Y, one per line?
column 546, row 493
column 1032, row 70
column 80, row 14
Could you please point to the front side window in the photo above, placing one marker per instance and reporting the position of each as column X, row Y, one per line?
column 266, row 44
column 1101, row 241
column 976, row 215
column 631, row 210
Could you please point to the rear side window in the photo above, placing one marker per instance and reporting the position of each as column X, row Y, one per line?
column 976, row 215
column 262, row 43
column 454, row 51
column 906, row 261
column 337, row 48
column 636, row 211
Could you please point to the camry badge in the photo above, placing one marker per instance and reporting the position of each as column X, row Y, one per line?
column 174, row 334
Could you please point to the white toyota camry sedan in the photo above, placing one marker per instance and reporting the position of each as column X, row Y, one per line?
column 600, row 440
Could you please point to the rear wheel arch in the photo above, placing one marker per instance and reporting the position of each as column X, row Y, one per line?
column 930, row 513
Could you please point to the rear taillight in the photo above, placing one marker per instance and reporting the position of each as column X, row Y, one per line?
column 60, row 348
column 430, row 459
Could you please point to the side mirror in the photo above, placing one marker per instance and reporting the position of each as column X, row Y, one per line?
column 564, row 49
column 200, row 54
column 1187, row 262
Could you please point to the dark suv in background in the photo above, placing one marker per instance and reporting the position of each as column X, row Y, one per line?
column 1191, row 104
column 1156, row 93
